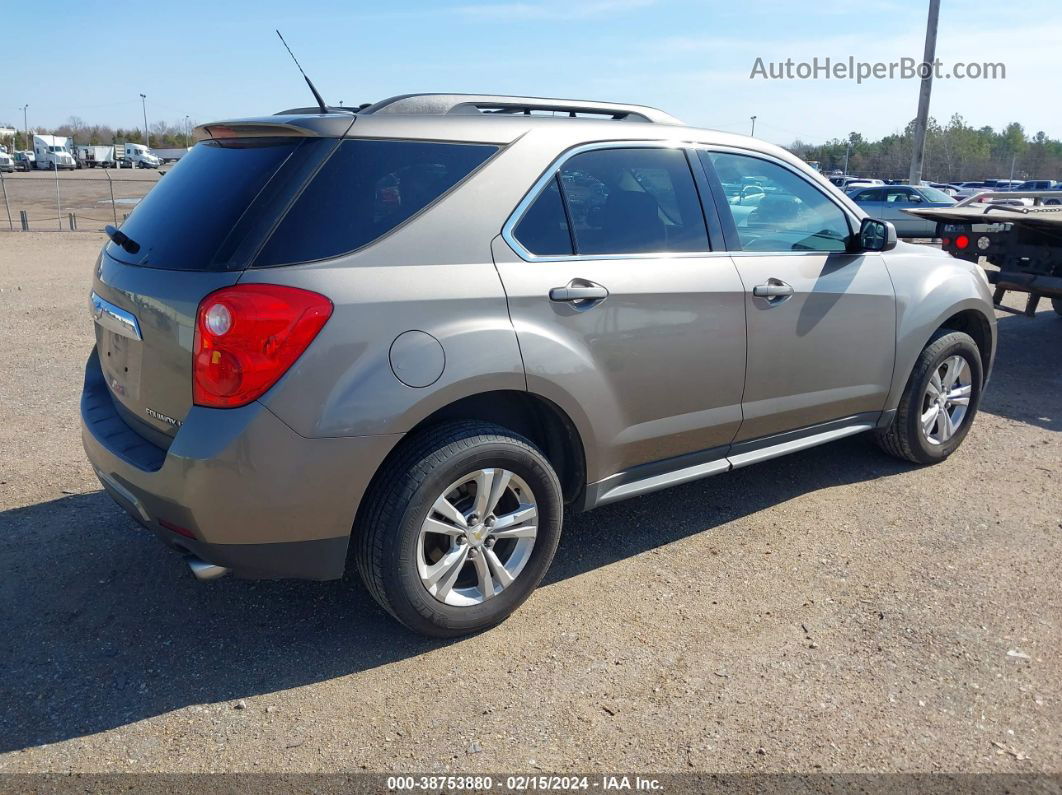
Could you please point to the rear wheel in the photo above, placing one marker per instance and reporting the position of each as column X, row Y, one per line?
column 459, row 528
column 939, row 403
column 1056, row 304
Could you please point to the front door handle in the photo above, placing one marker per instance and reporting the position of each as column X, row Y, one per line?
column 577, row 291
column 775, row 291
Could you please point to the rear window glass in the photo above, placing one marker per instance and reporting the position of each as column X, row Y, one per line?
column 366, row 189
column 182, row 222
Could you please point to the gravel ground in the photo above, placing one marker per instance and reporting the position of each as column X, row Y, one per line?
column 835, row 610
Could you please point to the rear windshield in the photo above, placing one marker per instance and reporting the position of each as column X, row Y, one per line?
column 183, row 221
column 365, row 190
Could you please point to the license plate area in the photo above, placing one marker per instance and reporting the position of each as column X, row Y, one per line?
column 120, row 358
column 118, row 339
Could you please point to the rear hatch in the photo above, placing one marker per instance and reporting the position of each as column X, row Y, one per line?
column 194, row 233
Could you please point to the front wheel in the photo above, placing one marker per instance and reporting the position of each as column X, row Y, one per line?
column 939, row 402
column 1056, row 304
column 459, row 528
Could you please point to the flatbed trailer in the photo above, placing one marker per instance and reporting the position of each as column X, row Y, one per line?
column 1024, row 242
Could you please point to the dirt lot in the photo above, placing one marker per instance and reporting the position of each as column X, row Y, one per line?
column 835, row 610
column 86, row 193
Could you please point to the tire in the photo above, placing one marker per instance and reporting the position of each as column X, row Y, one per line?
column 1056, row 304
column 388, row 547
column 905, row 438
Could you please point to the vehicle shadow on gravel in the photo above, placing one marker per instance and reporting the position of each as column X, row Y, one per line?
column 1027, row 378
column 103, row 626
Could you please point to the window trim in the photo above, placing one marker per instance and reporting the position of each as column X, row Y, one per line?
column 852, row 220
column 553, row 170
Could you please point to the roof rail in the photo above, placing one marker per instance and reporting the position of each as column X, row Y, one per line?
column 445, row 104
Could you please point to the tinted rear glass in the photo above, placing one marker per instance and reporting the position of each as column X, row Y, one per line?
column 366, row 189
column 182, row 222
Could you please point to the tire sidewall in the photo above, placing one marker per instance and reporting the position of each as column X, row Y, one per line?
column 958, row 344
column 406, row 593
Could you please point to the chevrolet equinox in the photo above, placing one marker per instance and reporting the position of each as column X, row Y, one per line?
column 423, row 328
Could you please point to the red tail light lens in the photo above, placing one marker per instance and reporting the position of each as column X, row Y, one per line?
column 246, row 338
column 962, row 241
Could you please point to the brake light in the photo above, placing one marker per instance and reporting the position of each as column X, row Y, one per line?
column 945, row 242
column 247, row 337
column 961, row 242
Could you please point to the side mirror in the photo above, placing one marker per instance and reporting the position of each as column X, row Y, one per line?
column 875, row 235
column 915, row 198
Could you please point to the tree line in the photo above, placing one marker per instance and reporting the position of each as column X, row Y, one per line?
column 955, row 152
column 164, row 135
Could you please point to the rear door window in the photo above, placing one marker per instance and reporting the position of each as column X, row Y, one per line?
column 365, row 190
column 633, row 201
column 873, row 195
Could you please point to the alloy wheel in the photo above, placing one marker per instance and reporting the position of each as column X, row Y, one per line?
column 946, row 400
column 477, row 537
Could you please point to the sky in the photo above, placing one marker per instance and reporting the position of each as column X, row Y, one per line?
column 692, row 58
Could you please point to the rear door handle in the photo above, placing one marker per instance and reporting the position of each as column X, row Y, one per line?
column 578, row 290
column 774, row 291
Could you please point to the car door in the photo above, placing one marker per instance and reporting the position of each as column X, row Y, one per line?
column 625, row 317
column 821, row 321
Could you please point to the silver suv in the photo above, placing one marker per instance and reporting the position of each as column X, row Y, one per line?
column 424, row 328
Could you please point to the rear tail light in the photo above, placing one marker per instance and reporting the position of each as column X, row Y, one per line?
column 248, row 336
column 961, row 242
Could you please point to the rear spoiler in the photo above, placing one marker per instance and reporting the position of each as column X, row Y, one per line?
column 297, row 126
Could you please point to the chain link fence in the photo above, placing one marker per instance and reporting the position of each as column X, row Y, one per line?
column 71, row 201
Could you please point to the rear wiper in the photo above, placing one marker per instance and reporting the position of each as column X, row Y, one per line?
column 122, row 239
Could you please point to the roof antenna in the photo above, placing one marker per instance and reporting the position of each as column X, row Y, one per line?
column 316, row 95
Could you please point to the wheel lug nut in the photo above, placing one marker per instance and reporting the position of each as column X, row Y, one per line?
column 462, row 540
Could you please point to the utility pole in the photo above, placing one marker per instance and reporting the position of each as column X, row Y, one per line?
column 147, row 138
column 25, row 126
column 922, row 120
column 187, row 130
column 847, row 149
column 753, row 133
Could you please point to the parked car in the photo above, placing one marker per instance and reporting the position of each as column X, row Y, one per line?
column 1038, row 184
column 848, row 181
column 7, row 163
column 888, row 202
column 400, row 334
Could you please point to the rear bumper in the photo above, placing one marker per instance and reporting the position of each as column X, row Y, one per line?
column 254, row 496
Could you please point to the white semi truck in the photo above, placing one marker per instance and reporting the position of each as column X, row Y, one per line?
column 53, row 151
column 135, row 156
